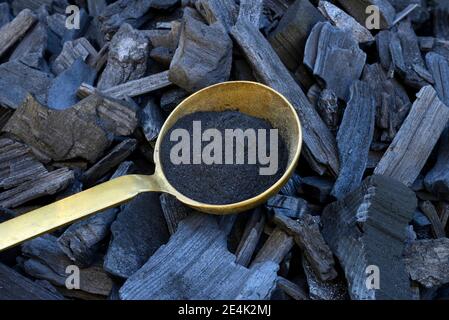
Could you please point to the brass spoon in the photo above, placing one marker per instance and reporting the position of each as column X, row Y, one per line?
column 248, row 97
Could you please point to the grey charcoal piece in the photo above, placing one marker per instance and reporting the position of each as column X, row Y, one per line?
column 224, row 11
column 427, row 262
column 354, row 138
column 437, row 179
column 171, row 98
column 13, row 31
column 438, row 66
column 139, row 230
column 151, row 120
column 5, row 14
column 193, row 265
column 17, row 80
column 32, row 48
column 204, row 54
column 326, row 45
column 292, row 207
column 416, row 139
column 369, row 228
column 47, row 261
column 72, row 51
column 127, row 60
column 62, row 93
column 14, row 286
column 290, row 36
column 174, row 211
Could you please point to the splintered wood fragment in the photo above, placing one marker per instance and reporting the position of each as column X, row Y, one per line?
column 307, row 235
column 416, row 139
column 82, row 240
column 427, row 262
column 292, row 289
column 32, row 48
column 17, row 164
column 47, row 183
column 354, row 138
column 275, row 249
column 327, row 44
column 360, row 227
column 174, row 211
column 320, row 144
column 250, row 238
column 359, row 10
column 132, row 88
column 83, row 131
column 14, row 31
column 439, row 68
column 73, row 50
column 46, row 261
column 224, row 11
column 193, row 264
column 289, row 37
column 437, row 227
column 345, row 22
column 116, row 156
column 17, row 287
column 404, row 13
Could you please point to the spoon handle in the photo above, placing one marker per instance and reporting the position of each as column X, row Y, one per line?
column 73, row 208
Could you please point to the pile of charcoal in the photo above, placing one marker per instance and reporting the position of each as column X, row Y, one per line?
column 86, row 85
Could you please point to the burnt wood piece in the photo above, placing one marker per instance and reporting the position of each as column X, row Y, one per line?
column 440, row 18
column 437, row 227
column 174, row 211
column 34, row 5
column 328, row 44
column 193, row 264
column 162, row 56
column 318, row 188
column 354, row 138
column 324, row 290
column 17, row 80
column 204, row 54
column 292, row 207
column 419, row 15
column 5, row 114
column 289, row 37
column 47, row 261
column 12, row 32
column 132, row 88
column 250, row 238
column 224, row 11
column 137, row 233
column 345, row 22
column 405, row 13
column 32, row 48
column 427, row 262
column 360, row 227
column 62, row 93
column 83, row 131
column 5, row 14
column 438, row 66
column 327, row 107
column 165, row 38
column 17, row 164
column 358, row 8
column 416, row 139
column 443, row 212
column 437, row 179
column 275, row 249
column 72, row 51
column 127, row 60
column 116, row 14
column 47, row 183
column 82, row 240
column 435, row 45
column 320, row 151
column 307, row 235
column 398, row 51
column 292, row 186
column 96, row 7
column 116, row 156
column 151, row 120
column 171, row 98
column 391, row 99
column 17, row 287
column 292, row 289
